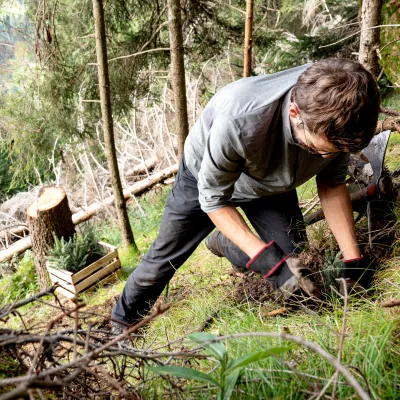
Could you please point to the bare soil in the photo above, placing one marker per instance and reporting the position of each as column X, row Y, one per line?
column 251, row 287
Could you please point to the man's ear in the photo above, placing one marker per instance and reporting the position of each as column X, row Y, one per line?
column 293, row 110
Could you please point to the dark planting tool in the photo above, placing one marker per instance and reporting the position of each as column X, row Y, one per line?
column 375, row 152
column 377, row 207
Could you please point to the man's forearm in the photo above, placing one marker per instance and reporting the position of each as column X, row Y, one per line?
column 233, row 226
column 338, row 211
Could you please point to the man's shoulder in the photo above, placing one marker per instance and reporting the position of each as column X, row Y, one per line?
column 247, row 95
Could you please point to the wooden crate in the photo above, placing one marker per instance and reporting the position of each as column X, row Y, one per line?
column 105, row 269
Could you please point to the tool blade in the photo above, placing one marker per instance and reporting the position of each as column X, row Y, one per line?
column 375, row 152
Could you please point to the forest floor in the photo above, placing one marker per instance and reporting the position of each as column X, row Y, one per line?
column 206, row 295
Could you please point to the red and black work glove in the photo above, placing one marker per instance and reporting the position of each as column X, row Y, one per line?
column 352, row 276
column 285, row 273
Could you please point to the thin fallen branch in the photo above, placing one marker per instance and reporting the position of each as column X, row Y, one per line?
column 50, row 325
column 7, row 45
column 138, row 54
column 22, row 245
column 52, row 367
column 142, row 168
column 23, row 388
column 324, row 389
column 306, row 203
column 342, row 336
column 389, row 111
column 358, row 32
column 15, row 229
column 390, row 303
column 315, row 202
column 392, row 124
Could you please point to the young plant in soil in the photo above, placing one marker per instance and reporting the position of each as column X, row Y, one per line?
column 76, row 253
column 228, row 371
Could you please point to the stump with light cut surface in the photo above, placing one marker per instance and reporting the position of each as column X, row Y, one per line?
column 48, row 214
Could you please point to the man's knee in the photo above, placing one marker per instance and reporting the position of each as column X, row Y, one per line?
column 148, row 276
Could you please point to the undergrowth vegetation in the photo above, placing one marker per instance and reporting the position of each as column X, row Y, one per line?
column 18, row 279
column 244, row 343
column 204, row 297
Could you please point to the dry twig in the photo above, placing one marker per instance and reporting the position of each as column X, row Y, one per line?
column 390, row 303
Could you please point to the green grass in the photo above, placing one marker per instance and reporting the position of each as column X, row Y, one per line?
column 18, row 279
column 367, row 342
column 392, row 100
column 307, row 190
column 392, row 159
column 204, row 287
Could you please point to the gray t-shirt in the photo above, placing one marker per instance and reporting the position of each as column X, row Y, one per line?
column 242, row 148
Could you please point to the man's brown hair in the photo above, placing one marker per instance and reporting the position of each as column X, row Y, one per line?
column 339, row 98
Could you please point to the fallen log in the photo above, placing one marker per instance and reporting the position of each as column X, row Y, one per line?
column 134, row 189
column 13, row 230
column 17, row 230
column 358, row 200
column 142, row 168
column 392, row 124
column 22, row 245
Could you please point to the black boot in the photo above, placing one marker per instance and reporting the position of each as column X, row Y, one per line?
column 213, row 244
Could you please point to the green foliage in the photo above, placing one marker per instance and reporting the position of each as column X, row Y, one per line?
column 128, row 257
column 390, row 39
column 229, row 371
column 53, row 77
column 5, row 176
column 75, row 253
column 146, row 222
column 21, row 282
column 294, row 41
column 333, row 268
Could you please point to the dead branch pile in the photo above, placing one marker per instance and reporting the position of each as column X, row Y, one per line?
column 75, row 353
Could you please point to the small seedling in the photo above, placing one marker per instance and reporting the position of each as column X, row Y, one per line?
column 228, row 371
column 76, row 253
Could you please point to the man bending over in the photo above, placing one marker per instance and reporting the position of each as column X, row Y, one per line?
column 256, row 141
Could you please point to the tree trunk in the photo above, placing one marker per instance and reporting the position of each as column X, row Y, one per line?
column 106, row 112
column 48, row 214
column 178, row 73
column 248, row 33
column 370, row 38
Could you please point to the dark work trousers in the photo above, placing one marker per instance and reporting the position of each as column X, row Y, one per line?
column 184, row 225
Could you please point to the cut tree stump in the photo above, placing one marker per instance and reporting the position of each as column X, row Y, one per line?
column 48, row 214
